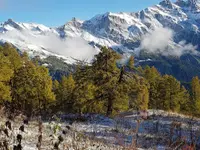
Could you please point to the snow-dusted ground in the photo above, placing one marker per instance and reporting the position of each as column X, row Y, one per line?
column 95, row 132
column 154, row 132
column 73, row 140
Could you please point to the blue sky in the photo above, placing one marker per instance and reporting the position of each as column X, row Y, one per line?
column 57, row 12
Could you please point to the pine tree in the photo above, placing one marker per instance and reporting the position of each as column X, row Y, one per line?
column 56, row 85
column 138, row 94
column 143, row 95
column 11, row 53
column 131, row 63
column 24, row 90
column 107, row 79
column 6, row 74
column 165, row 92
column 32, row 88
column 85, row 90
column 44, row 87
column 185, row 103
column 65, row 93
column 171, row 94
column 84, row 96
column 153, row 77
column 195, row 95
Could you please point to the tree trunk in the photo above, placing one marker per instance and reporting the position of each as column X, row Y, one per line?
column 109, row 107
column 121, row 74
column 40, row 111
column 44, row 110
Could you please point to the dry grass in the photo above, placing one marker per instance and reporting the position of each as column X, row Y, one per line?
column 72, row 140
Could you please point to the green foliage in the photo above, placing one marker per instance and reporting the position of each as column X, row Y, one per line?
column 131, row 63
column 153, row 77
column 85, row 90
column 183, row 68
column 32, row 87
column 26, row 85
column 138, row 93
column 84, row 96
column 10, row 61
column 57, row 67
column 12, row 55
column 6, row 74
column 100, row 87
column 107, row 78
column 165, row 92
column 44, row 86
column 195, row 95
column 56, row 85
column 64, row 93
column 171, row 93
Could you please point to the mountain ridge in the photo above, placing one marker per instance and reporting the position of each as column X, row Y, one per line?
column 116, row 29
column 176, row 24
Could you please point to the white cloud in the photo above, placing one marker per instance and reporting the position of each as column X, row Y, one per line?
column 157, row 39
column 160, row 41
column 76, row 48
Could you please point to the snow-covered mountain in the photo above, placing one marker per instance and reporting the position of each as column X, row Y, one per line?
column 168, row 28
column 123, row 32
column 24, row 35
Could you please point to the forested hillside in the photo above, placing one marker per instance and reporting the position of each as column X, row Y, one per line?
column 104, row 87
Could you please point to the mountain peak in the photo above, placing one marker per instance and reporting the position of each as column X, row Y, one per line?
column 9, row 21
column 191, row 4
column 74, row 19
column 167, row 3
column 12, row 23
column 74, row 22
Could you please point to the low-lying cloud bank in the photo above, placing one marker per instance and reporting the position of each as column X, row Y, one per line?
column 160, row 41
column 76, row 48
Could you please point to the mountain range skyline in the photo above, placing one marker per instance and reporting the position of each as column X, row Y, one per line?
column 124, row 31
column 54, row 14
column 166, row 35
